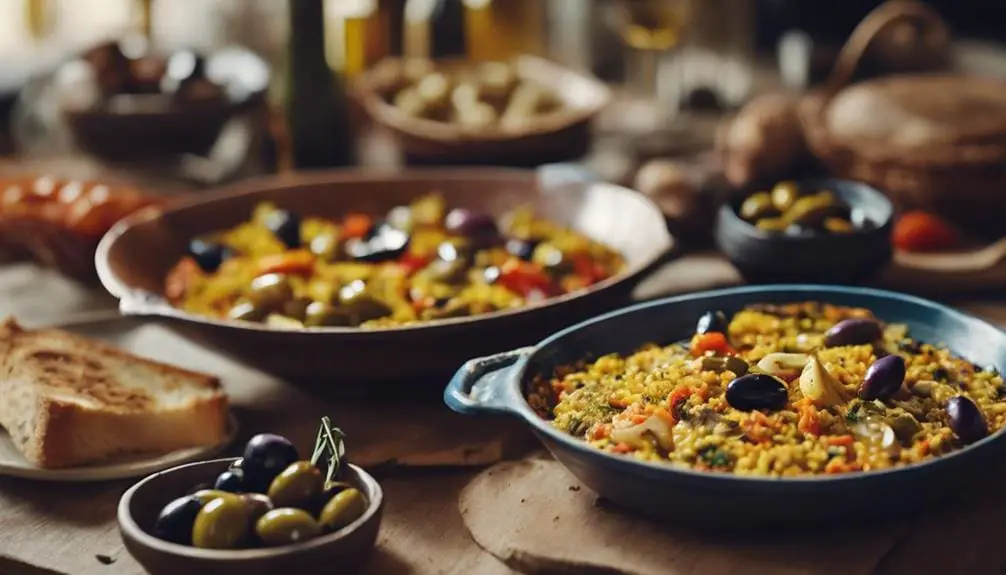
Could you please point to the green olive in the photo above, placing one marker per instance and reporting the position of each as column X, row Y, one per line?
column 296, row 308
column 550, row 257
column 325, row 245
column 207, row 495
column 257, row 504
column 321, row 314
column 297, row 485
column 221, row 524
column 784, row 194
column 342, row 509
column 811, row 211
column 282, row 322
column 757, row 206
column 285, row 526
column 270, row 291
column 772, row 224
column 452, row 272
column 837, row 225
column 362, row 306
column 247, row 311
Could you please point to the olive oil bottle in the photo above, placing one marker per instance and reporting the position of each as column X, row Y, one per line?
column 317, row 107
column 504, row 29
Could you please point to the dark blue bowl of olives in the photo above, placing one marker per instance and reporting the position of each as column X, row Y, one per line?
column 824, row 231
column 268, row 511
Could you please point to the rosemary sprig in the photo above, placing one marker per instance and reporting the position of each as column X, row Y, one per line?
column 330, row 444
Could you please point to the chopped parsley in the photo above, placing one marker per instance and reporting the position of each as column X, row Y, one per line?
column 854, row 415
column 715, row 457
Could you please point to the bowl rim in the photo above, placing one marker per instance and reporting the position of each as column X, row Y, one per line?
column 540, row 425
column 367, row 86
column 129, row 527
column 152, row 304
column 225, row 107
column 728, row 216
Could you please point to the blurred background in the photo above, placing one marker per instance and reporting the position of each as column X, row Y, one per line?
column 182, row 95
column 669, row 60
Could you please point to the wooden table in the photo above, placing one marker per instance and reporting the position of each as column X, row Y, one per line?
column 53, row 528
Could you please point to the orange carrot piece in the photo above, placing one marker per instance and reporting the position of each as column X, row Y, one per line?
column 840, row 440
column 712, row 341
column 356, row 225
column 297, row 262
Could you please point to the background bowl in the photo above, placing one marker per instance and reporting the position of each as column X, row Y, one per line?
column 556, row 137
column 148, row 127
column 344, row 550
column 722, row 501
column 762, row 256
column 135, row 255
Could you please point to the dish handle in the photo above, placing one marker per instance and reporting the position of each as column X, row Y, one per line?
column 482, row 385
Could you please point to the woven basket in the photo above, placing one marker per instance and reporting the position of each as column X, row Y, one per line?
column 955, row 166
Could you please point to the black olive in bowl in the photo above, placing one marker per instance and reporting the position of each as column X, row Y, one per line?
column 852, row 257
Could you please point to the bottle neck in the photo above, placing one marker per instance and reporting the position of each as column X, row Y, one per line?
column 307, row 33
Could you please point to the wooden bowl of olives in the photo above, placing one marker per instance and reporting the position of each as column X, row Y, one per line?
column 525, row 112
column 814, row 230
column 121, row 102
column 266, row 512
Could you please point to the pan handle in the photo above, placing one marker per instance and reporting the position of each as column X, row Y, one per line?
column 485, row 384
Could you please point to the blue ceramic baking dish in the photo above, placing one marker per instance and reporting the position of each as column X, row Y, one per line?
column 496, row 385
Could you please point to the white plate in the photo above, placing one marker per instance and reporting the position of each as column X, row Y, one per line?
column 13, row 464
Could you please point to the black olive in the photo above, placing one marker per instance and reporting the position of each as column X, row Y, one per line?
column 231, row 481
column 712, row 321
column 757, row 391
column 856, row 331
column 209, row 254
column 464, row 222
column 174, row 523
column 383, row 243
column 522, row 249
column 966, row 419
column 883, row 378
column 285, row 225
column 265, row 456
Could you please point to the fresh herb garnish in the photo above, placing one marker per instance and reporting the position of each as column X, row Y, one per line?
column 331, row 445
column 715, row 457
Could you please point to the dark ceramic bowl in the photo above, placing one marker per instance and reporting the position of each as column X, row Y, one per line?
column 498, row 384
column 344, row 550
column 135, row 255
column 147, row 126
column 852, row 258
column 560, row 136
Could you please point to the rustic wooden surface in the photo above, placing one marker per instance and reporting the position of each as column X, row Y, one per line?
column 422, row 453
column 515, row 510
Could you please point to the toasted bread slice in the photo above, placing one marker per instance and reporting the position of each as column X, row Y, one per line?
column 67, row 400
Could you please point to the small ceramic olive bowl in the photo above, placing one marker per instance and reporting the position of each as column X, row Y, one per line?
column 344, row 550
column 850, row 258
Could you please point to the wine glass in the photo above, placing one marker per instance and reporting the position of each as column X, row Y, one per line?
column 649, row 29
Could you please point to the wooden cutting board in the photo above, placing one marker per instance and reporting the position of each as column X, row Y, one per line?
column 537, row 518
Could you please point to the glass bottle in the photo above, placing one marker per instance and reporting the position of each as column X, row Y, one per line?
column 434, row 29
column 317, row 107
column 503, row 29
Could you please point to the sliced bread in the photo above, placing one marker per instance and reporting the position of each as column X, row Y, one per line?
column 67, row 400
